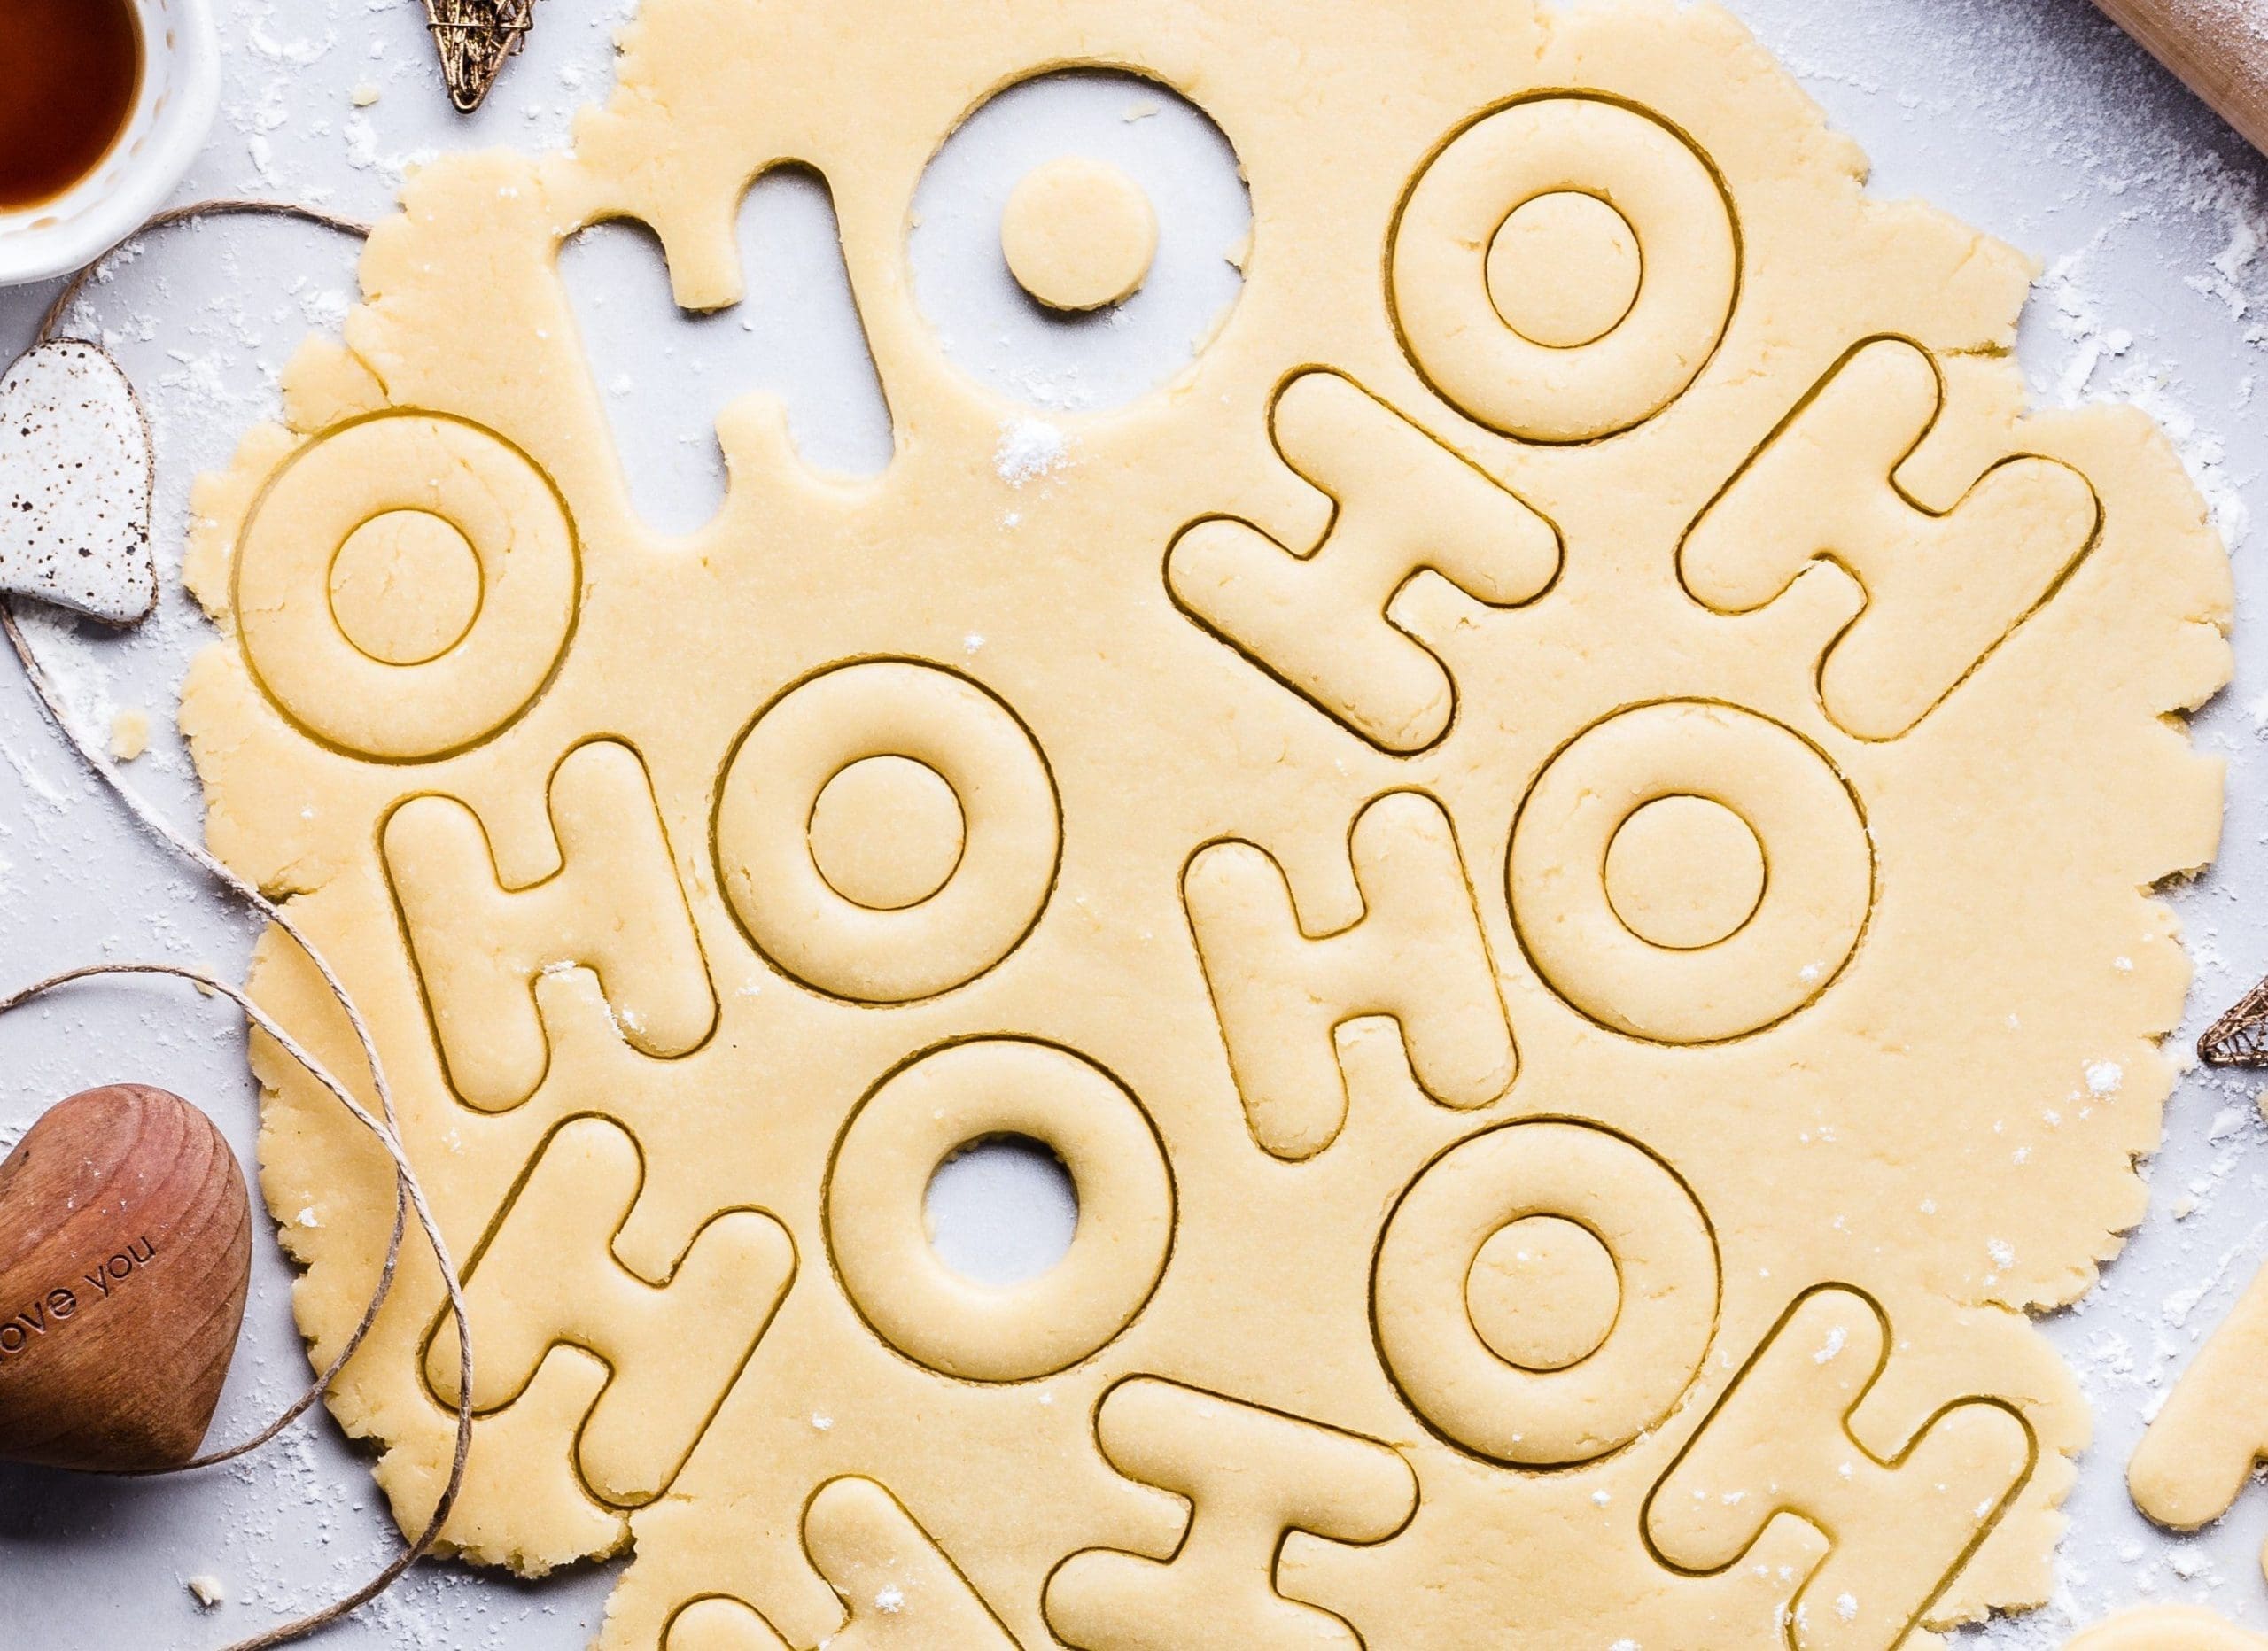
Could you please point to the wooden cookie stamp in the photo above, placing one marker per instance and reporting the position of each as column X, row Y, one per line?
column 125, row 1255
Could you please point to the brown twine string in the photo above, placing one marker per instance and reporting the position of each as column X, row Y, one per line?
column 409, row 1195
column 222, row 206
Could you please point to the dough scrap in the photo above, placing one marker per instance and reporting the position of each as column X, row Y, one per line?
column 1078, row 234
column 2201, row 1448
column 1314, row 691
column 2167, row 1628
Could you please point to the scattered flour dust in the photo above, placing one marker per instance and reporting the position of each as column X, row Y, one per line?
column 1029, row 448
column 2103, row 360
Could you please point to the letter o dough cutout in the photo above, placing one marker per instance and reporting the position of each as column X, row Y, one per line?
column 999, row 875
column 466, row 483
column 1665, row 1262
column 1795, row 936
column 1078, row 234
column 941, row 1101
column 1453, row 317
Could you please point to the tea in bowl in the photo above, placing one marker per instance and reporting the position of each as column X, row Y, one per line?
column 103, row 105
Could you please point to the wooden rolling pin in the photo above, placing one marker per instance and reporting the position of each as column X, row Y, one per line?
column 2219, row 47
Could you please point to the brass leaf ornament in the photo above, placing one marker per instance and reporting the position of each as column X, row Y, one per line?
column 2239, row 1038
column 473, row 37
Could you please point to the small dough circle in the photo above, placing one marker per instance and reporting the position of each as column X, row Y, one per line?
column 1442, row 1357
column 1817, row 888
column 1445, row 241
column 2167, row 1628
column 943, row 1101
column 1542, row 1292
column 493, row 497
column 405, row 586
column 1564, row 269
column 768, row 859
column 1078, row 234
column 887, row 833
column 1684, row 873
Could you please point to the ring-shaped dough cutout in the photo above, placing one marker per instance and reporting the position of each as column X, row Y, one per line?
column 1078, row 234
column 1013, row 832
column 941, row 1101
column 1818, row 885
column 476, row 482
column 1450, row 322
column 1664, row 1255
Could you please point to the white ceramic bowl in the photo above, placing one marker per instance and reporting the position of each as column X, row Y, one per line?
column 173, row 112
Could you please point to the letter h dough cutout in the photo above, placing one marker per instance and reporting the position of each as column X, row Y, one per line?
column 613, row 905
column 1943, row 588
column 1250, row 1476
column 2198, row 1454
column 546, row 1274
column 1785, row 1438
column 1416, row 954
column 1403, row 504
column 899, row 1590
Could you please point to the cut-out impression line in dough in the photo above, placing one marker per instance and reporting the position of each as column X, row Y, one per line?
column 354, row 554
column 1078, row 234
column 1416, row 954
column 1250, row 1478
column 887, row 833
column 1533, row 1382
column 612, row 905
column 1317, row 620
column 1030, row 230
column 1903, row 1496
column 405, row 587
column 546, row 1274
column 940, row 1102
column 1684, row 873
column 887, row 830
column 1564, row 268
column 896, row 1585
column 665, row 375
column 1943, row 588
column 1687, row 872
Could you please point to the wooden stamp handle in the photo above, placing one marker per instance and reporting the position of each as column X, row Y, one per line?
column 2219, row 47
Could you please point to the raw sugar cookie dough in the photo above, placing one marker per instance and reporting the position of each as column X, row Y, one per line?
column 2167, row 1628
column 1272, row 807
column 1078, row 234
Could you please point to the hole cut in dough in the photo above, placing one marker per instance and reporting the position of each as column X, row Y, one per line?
column 1078, row 234
column 666, row 372
column 405, row 587
column 1002, row 1209
column 991, row 328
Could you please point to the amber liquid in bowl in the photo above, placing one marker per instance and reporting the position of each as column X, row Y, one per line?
column 69, row 72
